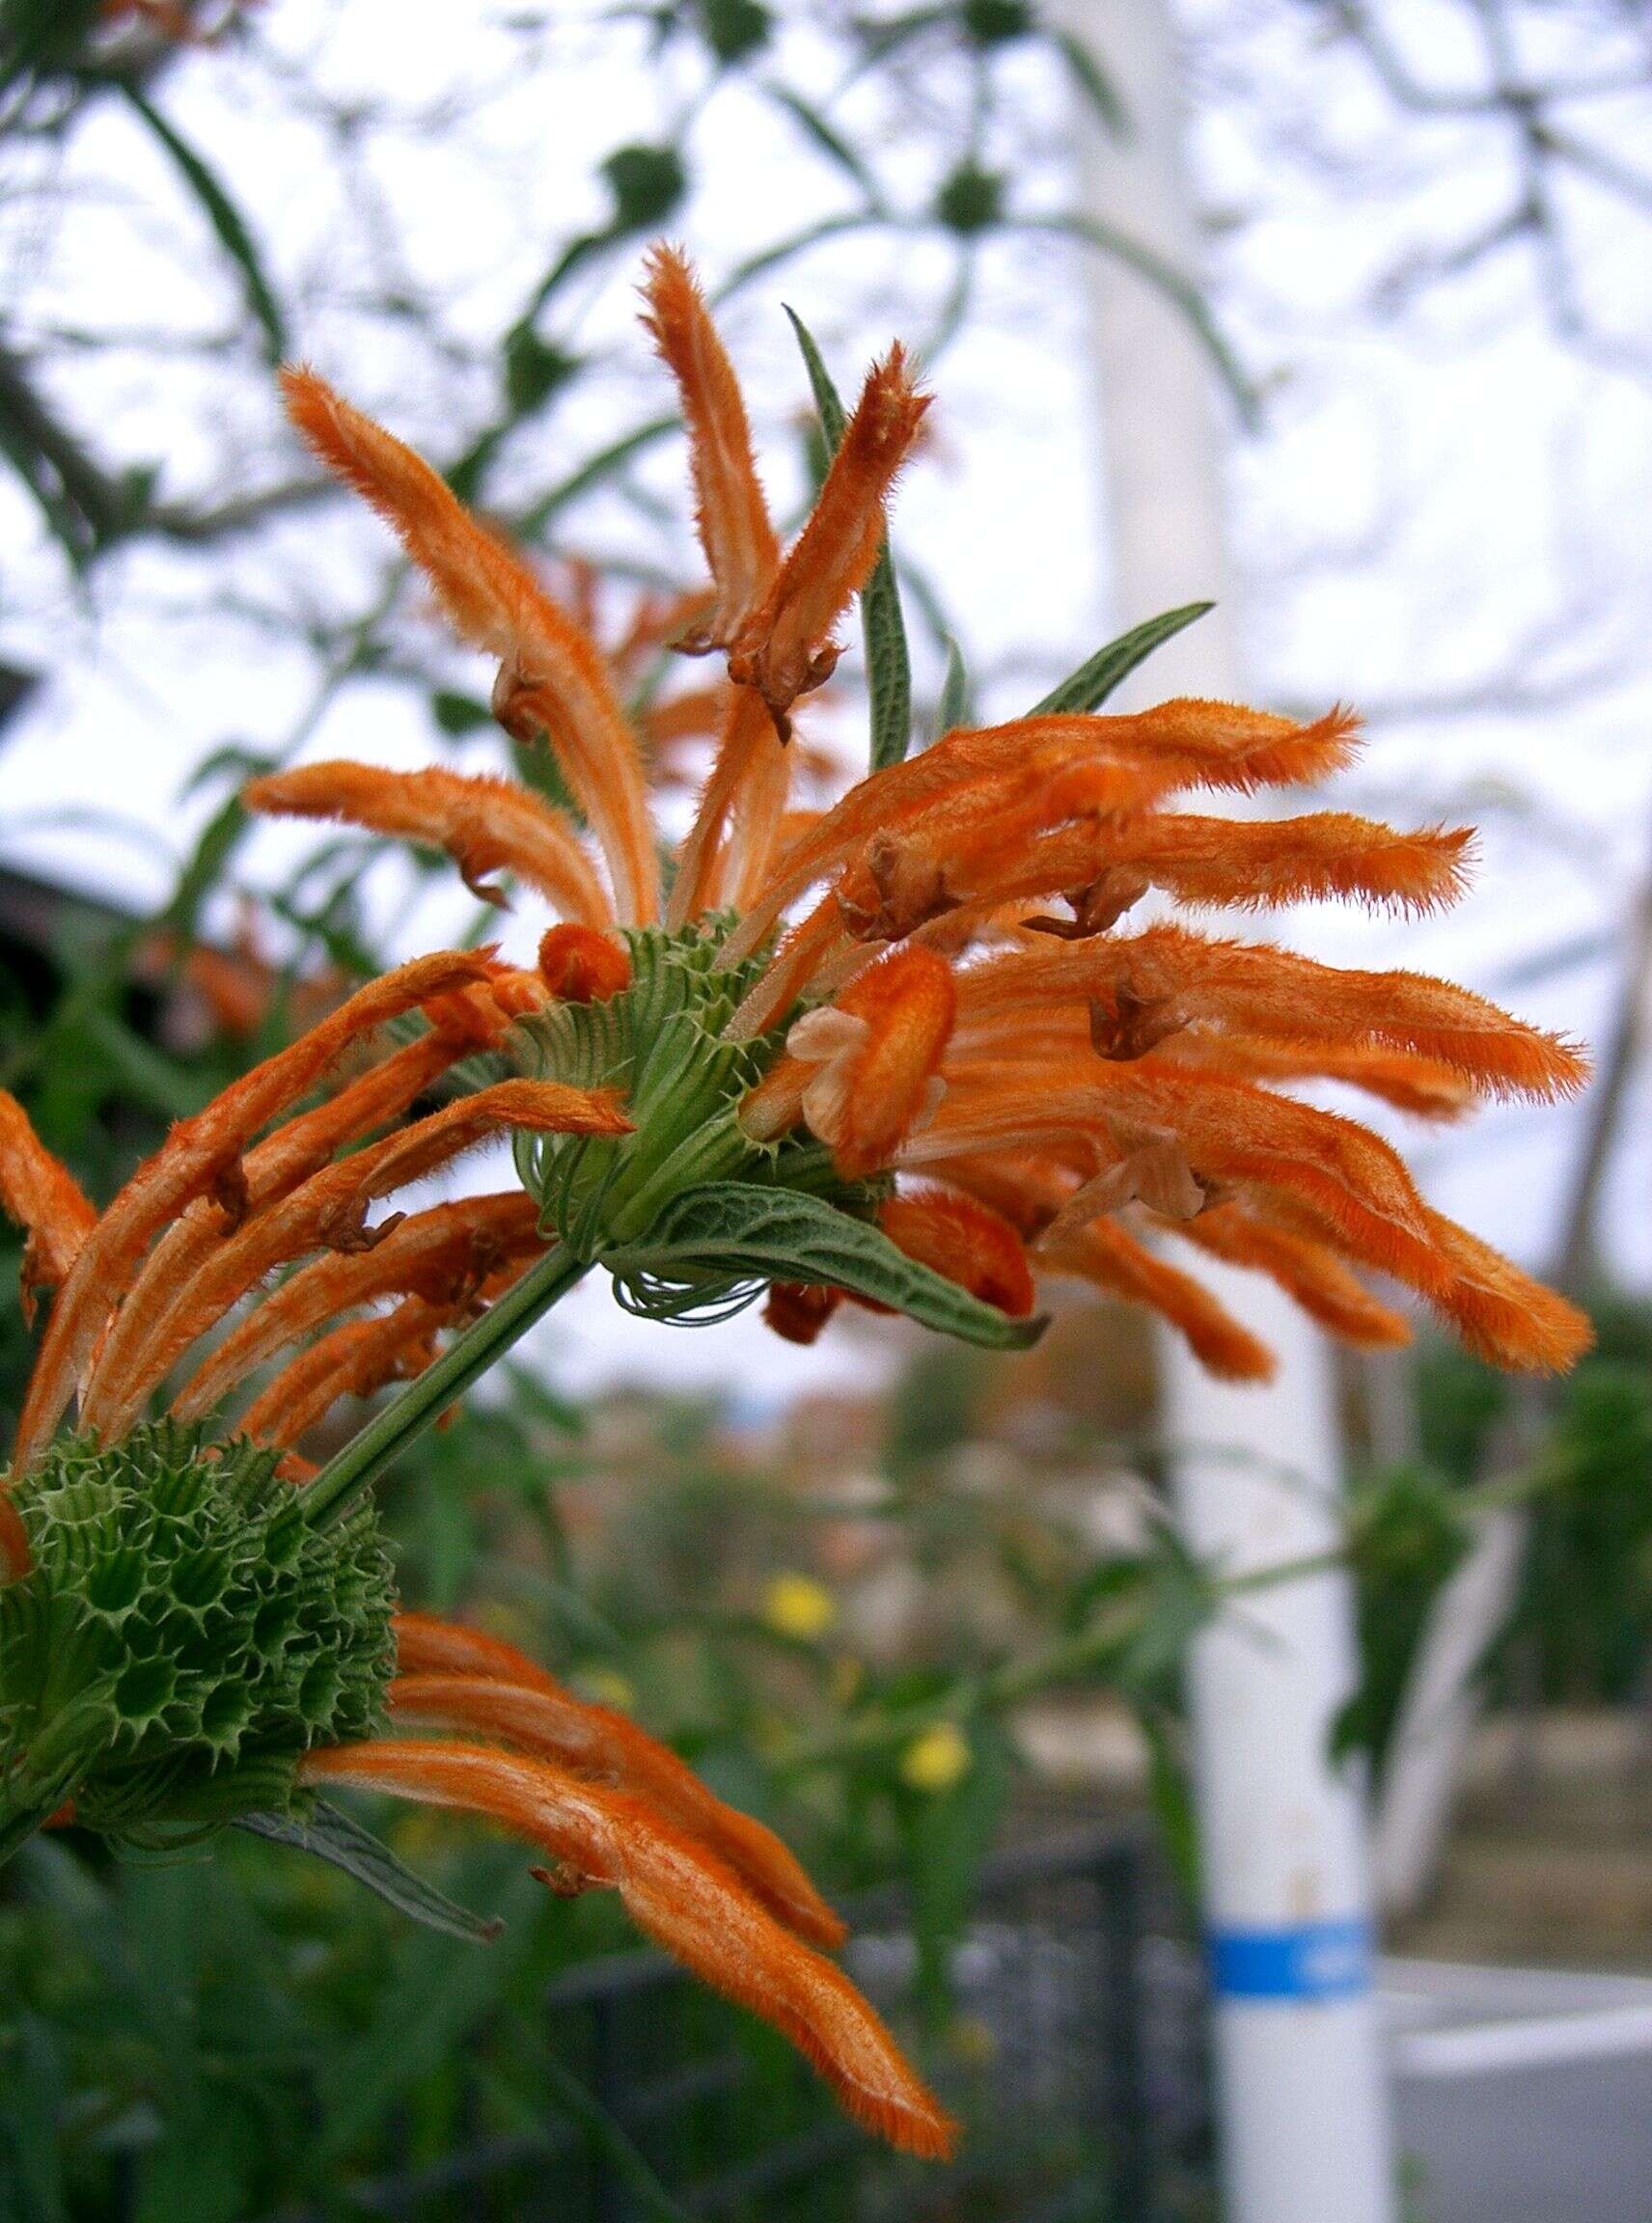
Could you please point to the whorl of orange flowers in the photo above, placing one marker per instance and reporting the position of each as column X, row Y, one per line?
column 950, row 947
column 252, row 1187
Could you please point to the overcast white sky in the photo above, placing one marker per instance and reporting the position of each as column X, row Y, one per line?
column 1433, row 498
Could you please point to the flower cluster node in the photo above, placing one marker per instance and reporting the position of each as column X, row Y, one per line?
column 181, row 1637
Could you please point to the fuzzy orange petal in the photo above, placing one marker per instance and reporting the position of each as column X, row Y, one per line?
column 436, row 1254
column 741, row 551
column 485, row 825
column 964, row 1241
column 1104, row 1254
column 785, row 649
column 580, row 966
column 904, row 1006
column 552, row 677
column 604, row 1747
column 196, row 1154
column 681, row 1896
column 329, row 1210
column 38, row 1193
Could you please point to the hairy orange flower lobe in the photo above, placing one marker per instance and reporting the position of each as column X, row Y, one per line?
column 964, row 1240
column 786, row 649
column 876, row 1055
column 485, row 825
column 739, row 542
column 798, row 1310
column 579, row 966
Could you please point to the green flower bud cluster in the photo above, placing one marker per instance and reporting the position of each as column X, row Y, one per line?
column 183, row 1638
column 660, row 1042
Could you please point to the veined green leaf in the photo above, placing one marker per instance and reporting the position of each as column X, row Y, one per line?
column 1088, row 687
column 333, row 1836
column 732, row 1233
column 889, row 666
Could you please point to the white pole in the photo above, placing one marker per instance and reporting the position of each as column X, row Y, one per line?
column 1301, row 2087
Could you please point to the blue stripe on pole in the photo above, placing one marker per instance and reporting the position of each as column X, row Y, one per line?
column 1309, row 1961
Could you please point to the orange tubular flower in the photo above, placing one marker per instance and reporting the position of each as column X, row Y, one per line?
column 938, row 974
column 965, row 1241
column 864, row 1071
column 43, row 1197
column 458, row 1678
column 683, row 1896
column 485, row 825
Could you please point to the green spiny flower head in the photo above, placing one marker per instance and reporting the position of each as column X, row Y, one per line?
column 183, row 1636
column 661, row 1042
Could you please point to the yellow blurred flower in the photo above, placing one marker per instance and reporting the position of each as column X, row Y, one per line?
column 969, row 2038
column 609, row 1688
column 938, row 1758
column 797, row 1605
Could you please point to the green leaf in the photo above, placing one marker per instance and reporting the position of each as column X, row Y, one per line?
column 457, row 715
column 609, row 2135
column 830, row 142
column 889, row 666
column 1165, row 277
column 827, row 399
column 1088, row 687
column 225, row 218
column 729, row 1233
column 604, row 464
column 1171, row 1796
column 1092, row 82
column 953, row 709
column 330, row 1835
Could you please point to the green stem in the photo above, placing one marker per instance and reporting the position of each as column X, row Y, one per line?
column 406, row 1418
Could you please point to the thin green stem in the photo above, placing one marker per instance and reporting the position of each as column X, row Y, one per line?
column 406, row 1418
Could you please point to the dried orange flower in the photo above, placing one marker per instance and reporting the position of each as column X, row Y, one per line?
column 939, row 977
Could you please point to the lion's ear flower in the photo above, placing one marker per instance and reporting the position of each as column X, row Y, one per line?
column 939, row 976
column 919, row 1049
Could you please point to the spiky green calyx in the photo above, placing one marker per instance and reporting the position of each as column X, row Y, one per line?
column 183, row 1638
column 661, row 1043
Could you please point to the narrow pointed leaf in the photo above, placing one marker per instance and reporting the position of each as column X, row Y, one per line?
column 226, row 220
column 330, row 1835
column 1088, row 687
column 1094, row 84
column 889, row 664
column 953, row 709
column 830, row 142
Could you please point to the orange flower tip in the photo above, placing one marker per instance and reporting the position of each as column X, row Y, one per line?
column 965, row 1241
column 1537, row 1331
column 798, row 1310
column 1232, row 1354
column 892, row 405
column 322, row 416
column 581, row 966
column 913, row 2123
